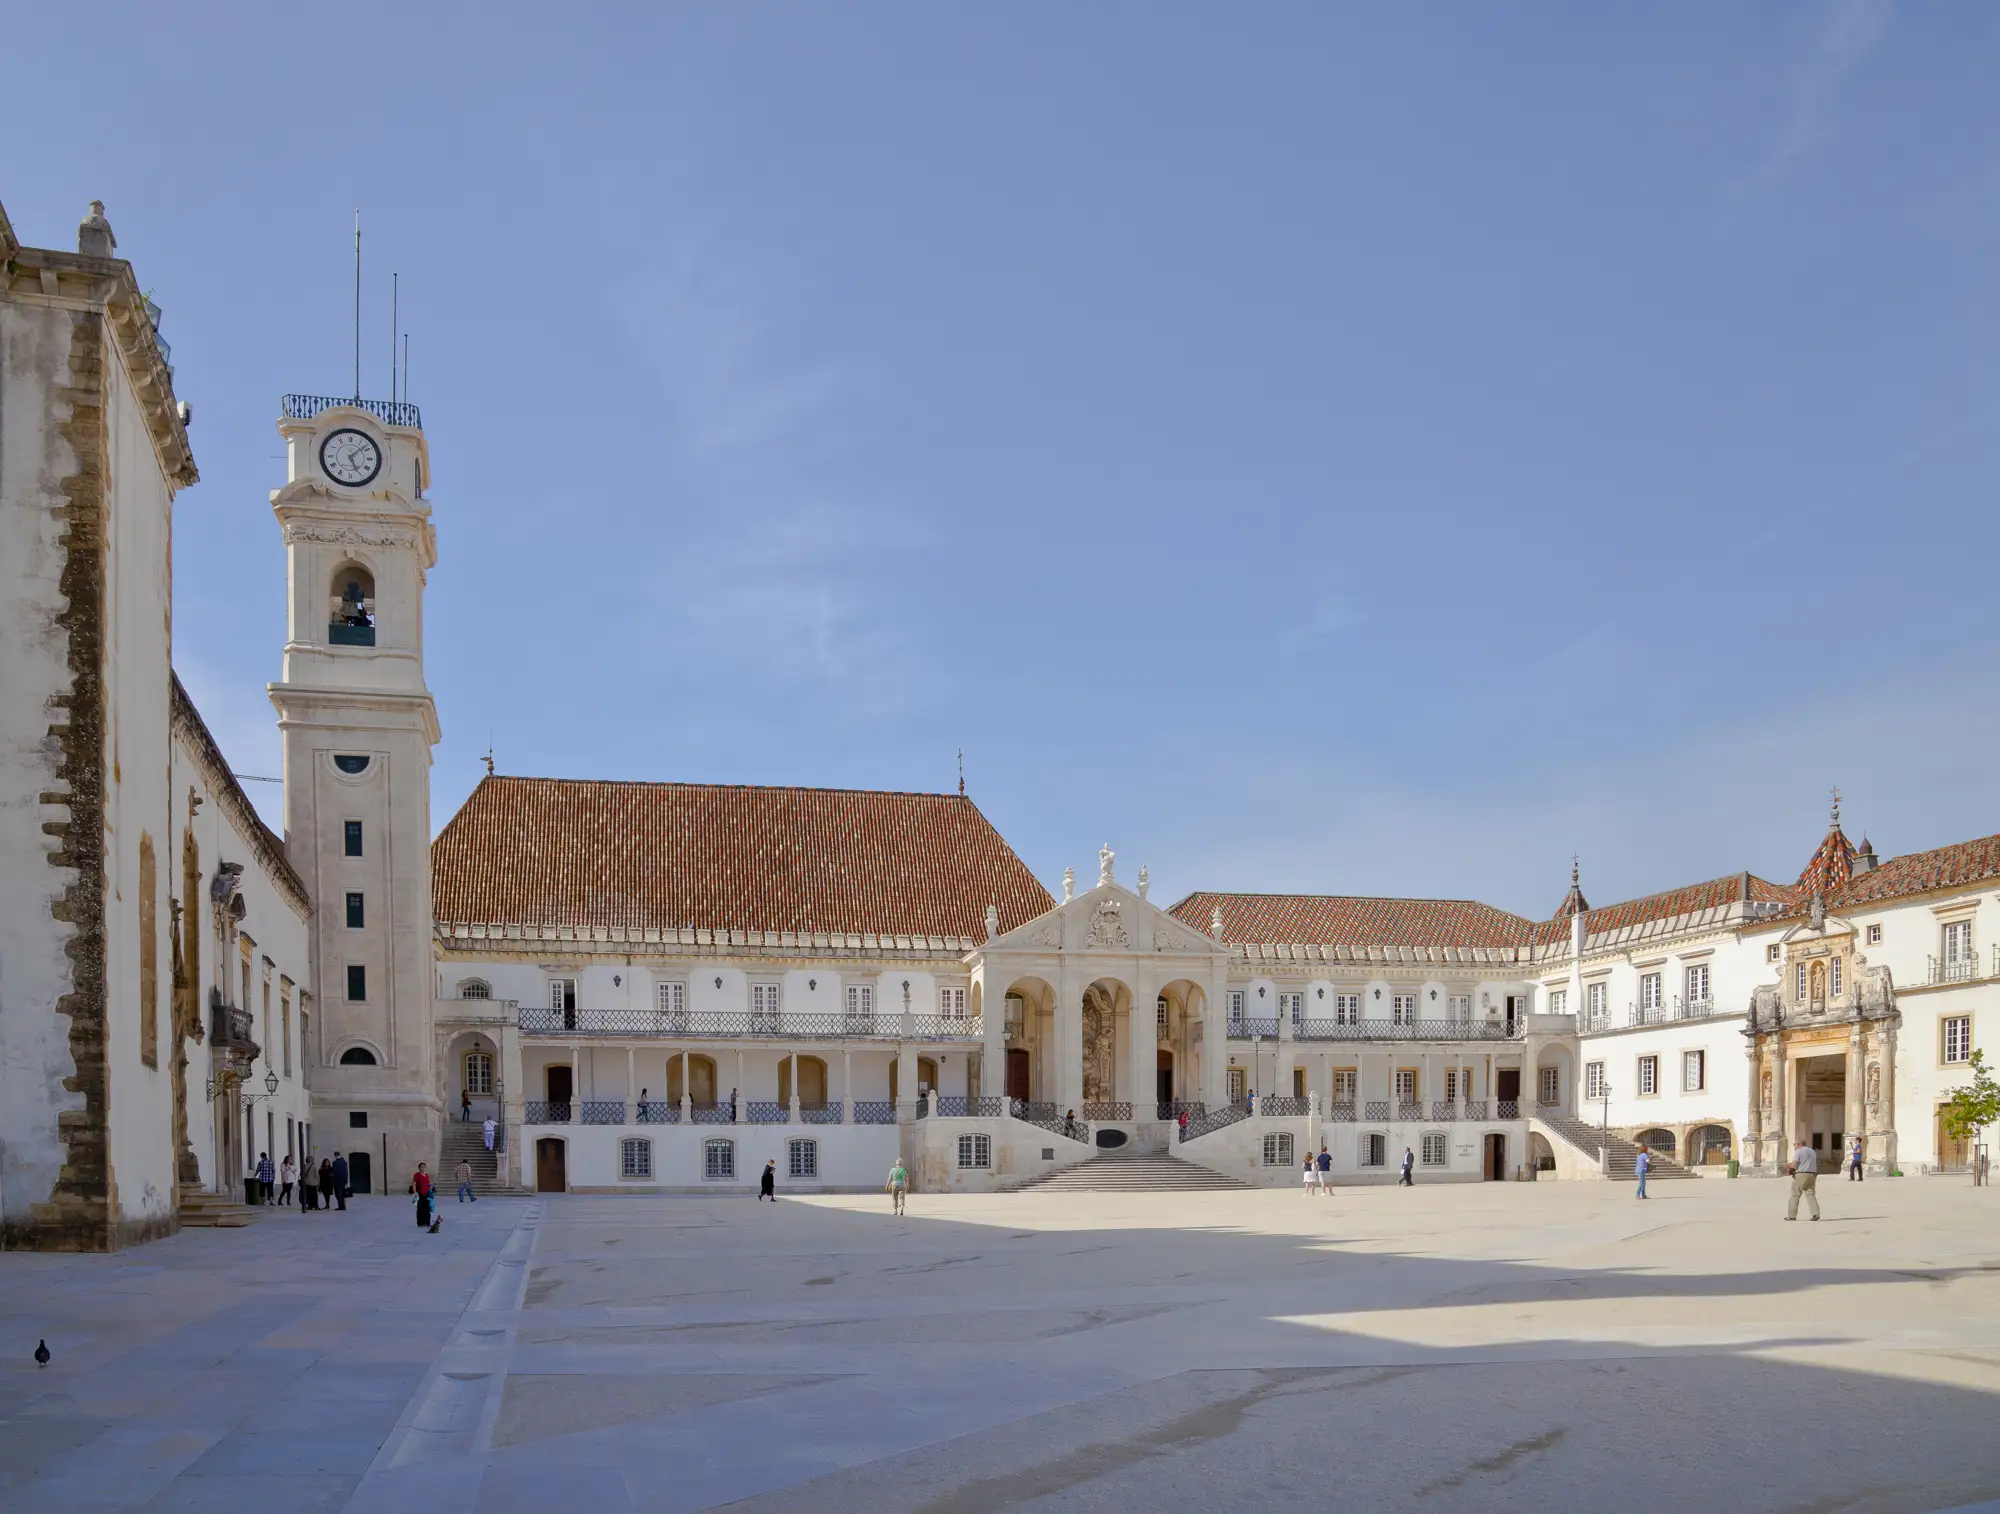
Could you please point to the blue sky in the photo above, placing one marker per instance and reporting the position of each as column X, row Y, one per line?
column 1364, row 449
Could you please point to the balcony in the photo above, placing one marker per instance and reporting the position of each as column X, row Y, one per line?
column 303, row 407
column 230, row 1031
column 1963, row 969
column 1693, row 1009
column 1406, row 1030
column 340, row 633
column 699, row 1024
column 1648, row 1014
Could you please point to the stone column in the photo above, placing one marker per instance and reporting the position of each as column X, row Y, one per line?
column 1069, row 1040
column 1781, row 1115
column 1281, row 1056
column 906, row 1082
column 846, row 1086
column 1750, row 1150
column 993, row 1031
column 1885, row 1036
column 1215, row 1038
column 1141, row 1050
column 631, row 1082
column 742, row 1094
column 1856, row 1120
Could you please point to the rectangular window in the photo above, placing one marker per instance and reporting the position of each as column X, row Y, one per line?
column 1433, row 1148
column 285, row 1016
column 635, row 1159
column 763, row 1004
column 1292, row 1007
column 1697, row 983
column 562, row 994
column 1160, row 1015
column 1958, row 1038
column 1406, row 1085
column 1239, row 1086
column 352, row 846
column 1278, row 1149
column 357, row 912
column 1649, row 1075
column 1775, row 952
column 1694, row 1071
column 357, row 1119
column 1958, row 941
column 1551, row 1089
column 1451, row 1085
column 1649, row 991
column 673, row 1002
column 357, row 983
column 1461, row 1007
column 1375, row 1150
column 1593, row 1080
column 1347, row 1009
column 718, row 1160
column 1799, row 982
column 860, row 1001
column 1235, row 1006
column 1833, row 976
column 479, row 1074
column 1403, row 1009
column 975, row 1151
column 951, row 1003
column 1597, row 1002
column 802, row 1158
column 1558, row 1001
column 1344, row 1081
column 1874, row 937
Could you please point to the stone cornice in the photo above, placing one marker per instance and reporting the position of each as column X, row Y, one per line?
column 70, row 280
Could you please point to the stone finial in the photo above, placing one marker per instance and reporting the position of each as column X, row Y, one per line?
column 1069, row 884
column 93, row 234
column 992, row 922
column 1145, row 880
column 1215, row 921
column 1105, row 857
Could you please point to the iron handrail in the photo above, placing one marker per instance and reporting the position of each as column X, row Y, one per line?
column 544, row 1020
column 303, row 407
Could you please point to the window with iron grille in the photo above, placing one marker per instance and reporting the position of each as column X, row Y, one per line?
column 1160, row 1015
column 1450, row 1084
column 1649, row 1075
column 1236, row 1006
column 975, row 1151
column 1278, row 1149
column 1375, row 1150
column 1694, row 1071
column 1958, row 1038
column 475, row 988
column 1433, row 1150
column 951, row 1003
column 718, row 1159
column 1593, row 1080
column 1239, row 1085
column 635, row 1158
column 1403, row 1009
column 1347, row 1009
column 802, row 1158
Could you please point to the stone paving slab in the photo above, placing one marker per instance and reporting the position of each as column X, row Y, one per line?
column 1436, row 1349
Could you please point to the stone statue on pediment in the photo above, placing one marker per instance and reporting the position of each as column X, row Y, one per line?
column 1105, row 857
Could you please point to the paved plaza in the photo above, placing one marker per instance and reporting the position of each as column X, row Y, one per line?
column 1559, row 1346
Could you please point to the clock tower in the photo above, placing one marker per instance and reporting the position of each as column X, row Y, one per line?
column 358, row 725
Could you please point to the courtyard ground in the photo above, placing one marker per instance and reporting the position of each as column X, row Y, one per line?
column 1556, row 1346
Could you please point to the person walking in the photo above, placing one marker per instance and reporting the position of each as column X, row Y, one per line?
column 1409, row 1166
column 1311, row 1175
column 464, row 1176
column 1182, row 1121
column 898, row 1185
column 642, row 1106
column 326, row 1189
column 767, row 1185
column 308, row 1184
column 340, row 1179
column 465, row 1105
column 1069, row 1125
column 487, row 1132
column 1643, row 1164
column 1854, row 1159
column 1325, row 1170
column 287, row 1174
column 1805, row 1181
column 267, row 1178
column 420, row 1185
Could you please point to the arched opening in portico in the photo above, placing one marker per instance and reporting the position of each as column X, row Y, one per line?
column 473, row 1071
column 1032, row 1068
column 1180, row 1036
column 1107, row 1006
column 692, row 1075
column 927, row 1078
column 1555, row 1079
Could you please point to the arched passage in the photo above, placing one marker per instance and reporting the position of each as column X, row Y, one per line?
column 1708, row 1145
column 1032, row 1067
column 1178, row 1013
column 697, row 1082
column 472, row 1074
column 811, row 1081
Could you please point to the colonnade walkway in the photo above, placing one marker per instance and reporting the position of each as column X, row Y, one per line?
column 1546, row 1345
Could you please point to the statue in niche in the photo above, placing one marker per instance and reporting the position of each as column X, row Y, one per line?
column 1765, row 1087
column 1100, row 1019
column 1816, row 977
column 1874, row 1084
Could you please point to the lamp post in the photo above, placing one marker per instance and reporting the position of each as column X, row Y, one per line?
column 1604, row 1092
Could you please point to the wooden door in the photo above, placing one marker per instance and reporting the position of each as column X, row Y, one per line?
column 1507, row 1083
column 1017, row 1074
column 1496, row 1158
column 551, row 1165
column 561, row 1088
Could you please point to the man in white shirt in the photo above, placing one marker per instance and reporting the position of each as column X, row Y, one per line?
column 1805, row 1181
column 487, row 1131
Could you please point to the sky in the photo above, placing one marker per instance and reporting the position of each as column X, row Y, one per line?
column 1379, row 450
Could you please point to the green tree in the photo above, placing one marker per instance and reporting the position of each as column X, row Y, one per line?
column 1972, row 1108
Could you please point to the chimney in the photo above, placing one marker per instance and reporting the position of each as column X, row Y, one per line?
column 93, row 234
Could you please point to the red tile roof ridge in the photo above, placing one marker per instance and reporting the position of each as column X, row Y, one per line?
column 695, row 783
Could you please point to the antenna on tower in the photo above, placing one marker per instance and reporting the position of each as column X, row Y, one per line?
column 395, row 330
column 357, row 306
column 406, row 367
column 961, row 772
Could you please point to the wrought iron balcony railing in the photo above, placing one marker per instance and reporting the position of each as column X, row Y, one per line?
column 1250, row 1027
column 1377, row 1109
column 1694, row 1009
column 303, row 407
column 546, row 1112
column 1288, row 1107
column 1963, row 969
column 1341, row 1111
column 537, row 1020
column 1110, row 1110
column 1507, row 1109
column 1648, row 1014
column 1407, row 1030
column 874, row 1112
column 232, row 1030
column 603, row 1112
column 1475, row 1109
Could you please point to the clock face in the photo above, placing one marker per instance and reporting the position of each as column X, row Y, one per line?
column 350, row 457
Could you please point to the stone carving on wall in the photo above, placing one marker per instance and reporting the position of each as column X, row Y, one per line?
column 1765, row 1086
column 348, row 536
column 1107, row 925
column 1874, row 1084
column 1050, row 934
column 1099, row 1051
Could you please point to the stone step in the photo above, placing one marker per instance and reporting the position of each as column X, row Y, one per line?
column 1143, row 1173
column 200, row 1209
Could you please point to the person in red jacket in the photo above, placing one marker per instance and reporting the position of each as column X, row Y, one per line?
column 420, row 1185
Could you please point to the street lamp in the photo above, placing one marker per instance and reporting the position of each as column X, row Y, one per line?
column 1604, row 1092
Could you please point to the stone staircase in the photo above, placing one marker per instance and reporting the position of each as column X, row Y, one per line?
column 466, row 1141
column 1133, row 1172
column 203, row 1210
column 1620, row 1156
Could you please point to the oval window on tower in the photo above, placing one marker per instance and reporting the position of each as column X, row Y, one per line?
column 351, row 764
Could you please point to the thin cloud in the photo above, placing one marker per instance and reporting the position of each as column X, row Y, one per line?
column 1330, row 615
column 1851, row 31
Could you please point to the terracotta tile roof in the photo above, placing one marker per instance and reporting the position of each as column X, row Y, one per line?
column 1717, row 892
column 1831, row 864
column 1918, row 873
column 1344, row 920
column 542, row 851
